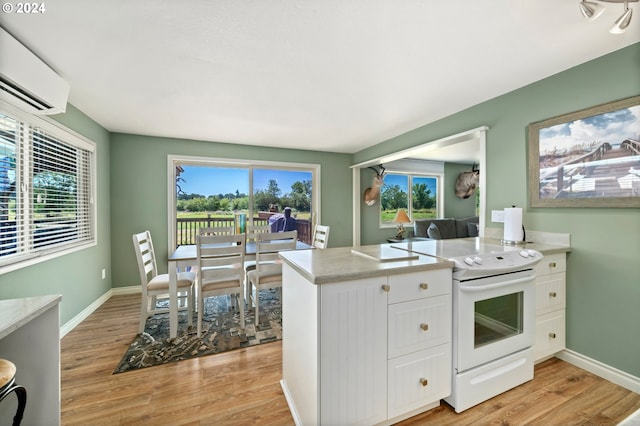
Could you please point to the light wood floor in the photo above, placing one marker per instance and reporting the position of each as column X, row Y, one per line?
column 242, row 387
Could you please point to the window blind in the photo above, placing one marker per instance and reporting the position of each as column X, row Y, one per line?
column 46, row 189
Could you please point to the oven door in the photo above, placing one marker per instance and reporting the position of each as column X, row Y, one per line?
column 495, row 317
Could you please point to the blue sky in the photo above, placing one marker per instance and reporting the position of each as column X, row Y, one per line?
column 215, row 180
column 612, row 127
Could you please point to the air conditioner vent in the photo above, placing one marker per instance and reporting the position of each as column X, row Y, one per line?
column 27, row 97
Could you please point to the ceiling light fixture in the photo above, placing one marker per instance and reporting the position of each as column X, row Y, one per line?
column 591, row 10
column 623, row 21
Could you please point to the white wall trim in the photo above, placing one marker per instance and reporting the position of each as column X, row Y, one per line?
column 73, row 322
column 600, row 369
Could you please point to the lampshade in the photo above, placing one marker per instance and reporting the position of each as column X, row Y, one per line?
column 401, row 217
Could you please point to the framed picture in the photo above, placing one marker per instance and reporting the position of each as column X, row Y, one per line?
column 588, row 158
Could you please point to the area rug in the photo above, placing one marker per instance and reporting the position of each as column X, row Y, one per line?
column 221, row 332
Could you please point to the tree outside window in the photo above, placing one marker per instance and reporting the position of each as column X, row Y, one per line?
column 420, row 202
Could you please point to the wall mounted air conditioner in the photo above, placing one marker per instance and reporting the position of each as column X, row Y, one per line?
column 27, row 82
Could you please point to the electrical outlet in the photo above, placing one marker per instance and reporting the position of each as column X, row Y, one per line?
column 497, row 216
column 104, row 273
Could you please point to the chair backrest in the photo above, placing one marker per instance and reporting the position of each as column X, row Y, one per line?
column 146, row 257
column 220, row 258
column 320, row 236
column 216, row 230
column 254, row 230
column 268, row 247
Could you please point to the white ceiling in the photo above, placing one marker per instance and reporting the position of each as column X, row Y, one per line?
column 331, row 75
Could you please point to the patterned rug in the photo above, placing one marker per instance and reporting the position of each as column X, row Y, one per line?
column 221, row 332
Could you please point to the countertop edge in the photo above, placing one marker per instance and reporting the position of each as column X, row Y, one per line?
column 40, row 305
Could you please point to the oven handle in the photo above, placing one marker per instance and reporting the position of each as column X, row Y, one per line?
column 473, row 289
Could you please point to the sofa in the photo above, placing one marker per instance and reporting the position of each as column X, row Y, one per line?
column 446, row 228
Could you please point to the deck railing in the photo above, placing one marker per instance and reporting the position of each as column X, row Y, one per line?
column 187, row 228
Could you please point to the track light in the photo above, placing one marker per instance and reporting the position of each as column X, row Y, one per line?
column 623, row 21
column 591, row 10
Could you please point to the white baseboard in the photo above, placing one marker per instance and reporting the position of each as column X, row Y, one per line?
column 598, row 368
column 116, row 291
column 73, row 322
column 292, row 406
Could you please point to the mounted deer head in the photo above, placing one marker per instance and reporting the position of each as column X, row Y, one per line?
column 372, row 194
column 467, row 182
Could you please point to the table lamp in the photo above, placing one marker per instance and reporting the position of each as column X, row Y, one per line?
column 401, row 217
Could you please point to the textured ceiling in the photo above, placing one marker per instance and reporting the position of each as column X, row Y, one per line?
column 332, row 75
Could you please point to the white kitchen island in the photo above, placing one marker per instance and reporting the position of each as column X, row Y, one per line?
column 366, row 334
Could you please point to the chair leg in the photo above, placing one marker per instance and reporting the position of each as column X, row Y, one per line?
column 21, row 393
column 189, row 300
column 143, row 313
column 256, row 302
column 241, row 303
column 200, row 313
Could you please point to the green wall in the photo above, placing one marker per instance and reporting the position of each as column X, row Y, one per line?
column 139, row 191
column 76, row 276
column 603, row 277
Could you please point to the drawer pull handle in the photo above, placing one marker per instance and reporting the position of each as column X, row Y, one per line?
column 386, row 287
column 553, row 294
column 424, row 382
column 552, row 264
column 424, row 286
column 424, row 326
column 552, row 335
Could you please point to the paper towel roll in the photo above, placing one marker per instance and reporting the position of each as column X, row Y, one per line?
column 513, row 224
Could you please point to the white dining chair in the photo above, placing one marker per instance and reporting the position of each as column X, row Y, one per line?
column 252, row 238
column 220, row 270
column 155, row 285
column 268, row 272
column 216, row 230
column 320, row 236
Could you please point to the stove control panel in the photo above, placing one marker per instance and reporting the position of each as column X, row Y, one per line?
column 498, row 262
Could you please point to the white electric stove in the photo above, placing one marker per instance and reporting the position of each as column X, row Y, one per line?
column 494, row 315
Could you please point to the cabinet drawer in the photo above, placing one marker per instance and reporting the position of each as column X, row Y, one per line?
column 419, row 285
column 550, row 292
column 551, row 264
column 550, row 334
column 418, row 379
column 418, row 325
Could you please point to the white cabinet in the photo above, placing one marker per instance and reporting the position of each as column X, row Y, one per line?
column 419, row 342
column 550, row 306
column 380, row 351
column 353, row 340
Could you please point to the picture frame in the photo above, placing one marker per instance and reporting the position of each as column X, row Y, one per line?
column 587, row 158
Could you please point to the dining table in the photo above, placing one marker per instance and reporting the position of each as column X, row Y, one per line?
column 186, row 256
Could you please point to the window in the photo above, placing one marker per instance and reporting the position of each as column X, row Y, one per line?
column 212, row 192
column 420, row 202
column 46, row 189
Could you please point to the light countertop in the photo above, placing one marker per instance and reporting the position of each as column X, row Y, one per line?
column 352, row 263
column 14, row 313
